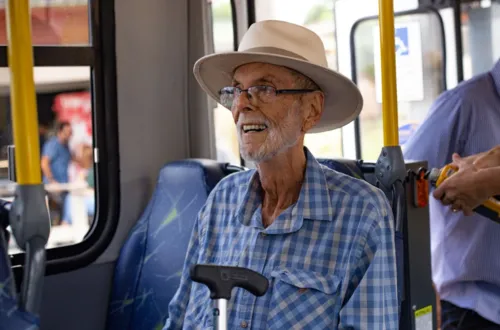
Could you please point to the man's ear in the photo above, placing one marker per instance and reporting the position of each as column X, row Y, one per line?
column 313, row 111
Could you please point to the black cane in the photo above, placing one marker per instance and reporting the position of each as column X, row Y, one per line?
column 221, row 280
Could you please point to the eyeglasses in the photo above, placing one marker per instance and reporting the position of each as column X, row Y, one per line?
column 264, row 94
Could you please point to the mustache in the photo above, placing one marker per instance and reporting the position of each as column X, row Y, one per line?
column 245, row 120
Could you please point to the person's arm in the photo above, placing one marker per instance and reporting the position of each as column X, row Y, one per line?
column 48, row 152
column 438, row 307
column 484, row 159
column 374, row 302
column 179, row 303
column 493, row 186
column 490, row 158
column 45, row 164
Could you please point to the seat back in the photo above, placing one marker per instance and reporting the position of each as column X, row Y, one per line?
column 148, row 269
column 11, row 317
column 345, row 166
column 355, row 169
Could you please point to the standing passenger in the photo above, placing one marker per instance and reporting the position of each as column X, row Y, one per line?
column 465, row 258
column 55, row 161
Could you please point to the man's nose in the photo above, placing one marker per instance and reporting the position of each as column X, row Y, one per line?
column 242, row 101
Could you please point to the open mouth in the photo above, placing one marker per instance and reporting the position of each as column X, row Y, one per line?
column 253, row 128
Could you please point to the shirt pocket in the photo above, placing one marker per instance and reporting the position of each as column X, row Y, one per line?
column 303, row 299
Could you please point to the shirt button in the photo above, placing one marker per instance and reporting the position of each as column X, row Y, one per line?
column 263, row 234
column 244, row 324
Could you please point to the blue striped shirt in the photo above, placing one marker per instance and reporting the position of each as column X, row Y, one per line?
column 465, row 250
column 330, row 257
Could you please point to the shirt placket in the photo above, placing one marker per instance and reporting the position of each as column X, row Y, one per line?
column 254, row 259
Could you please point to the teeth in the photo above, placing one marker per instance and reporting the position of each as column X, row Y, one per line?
column 254, row 127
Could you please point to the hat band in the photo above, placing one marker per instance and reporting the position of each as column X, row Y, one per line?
column 274, row 51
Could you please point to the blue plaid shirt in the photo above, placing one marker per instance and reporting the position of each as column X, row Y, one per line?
column 330, row 258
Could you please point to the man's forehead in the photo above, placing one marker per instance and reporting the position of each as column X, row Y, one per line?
column 261, row 72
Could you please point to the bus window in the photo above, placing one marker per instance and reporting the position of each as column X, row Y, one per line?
column 316, row 15
column 62, row 96
column 59, row 22
column 481, row 36
column 420, row 78
column 226, row 140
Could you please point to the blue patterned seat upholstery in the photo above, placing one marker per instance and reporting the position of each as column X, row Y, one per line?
column 11, row 316
column 148, row 270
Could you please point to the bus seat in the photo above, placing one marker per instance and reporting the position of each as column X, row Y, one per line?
column 353, row 169
column 345, row 166
column 11, row 316
column 147, row 272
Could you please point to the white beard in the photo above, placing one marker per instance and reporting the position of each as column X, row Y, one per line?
column 279, row 139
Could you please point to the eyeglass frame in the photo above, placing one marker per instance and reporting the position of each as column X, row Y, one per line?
column 276, row 91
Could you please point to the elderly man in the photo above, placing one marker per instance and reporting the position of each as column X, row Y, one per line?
column 324, row 240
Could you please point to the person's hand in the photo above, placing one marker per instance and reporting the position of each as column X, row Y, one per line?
column 488, row 159
column 464, row 161
column 462, row 190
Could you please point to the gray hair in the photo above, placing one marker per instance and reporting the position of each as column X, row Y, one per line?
column 303, row 82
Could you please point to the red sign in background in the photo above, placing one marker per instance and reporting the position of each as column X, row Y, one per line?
column 75, row 108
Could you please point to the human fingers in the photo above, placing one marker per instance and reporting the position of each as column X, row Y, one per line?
column 446, row 200
column 456, row 206
column 456, row 157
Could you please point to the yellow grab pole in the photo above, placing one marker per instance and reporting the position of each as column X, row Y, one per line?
column 388, row 69
column 22, row 92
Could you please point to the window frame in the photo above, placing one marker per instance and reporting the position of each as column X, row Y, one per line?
column 234, row 22
column 100, row 56
column 56, row 56
column 354, row 69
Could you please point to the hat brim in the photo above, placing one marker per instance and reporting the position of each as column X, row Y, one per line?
column 343, row 101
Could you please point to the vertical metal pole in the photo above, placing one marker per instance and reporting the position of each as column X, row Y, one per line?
column 459, row 52
column 388, row 68
column 22, row 93
column 29, row 217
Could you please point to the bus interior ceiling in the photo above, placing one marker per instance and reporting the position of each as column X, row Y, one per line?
column 133, row 68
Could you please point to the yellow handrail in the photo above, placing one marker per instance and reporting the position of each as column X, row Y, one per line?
column 388, row 70
column 22, row 93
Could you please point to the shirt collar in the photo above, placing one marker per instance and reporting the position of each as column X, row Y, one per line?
column 314, row 202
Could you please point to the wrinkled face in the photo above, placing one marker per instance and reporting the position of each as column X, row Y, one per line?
column 268, row 124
